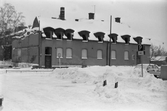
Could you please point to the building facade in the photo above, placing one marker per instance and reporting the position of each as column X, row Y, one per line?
column 64, row 50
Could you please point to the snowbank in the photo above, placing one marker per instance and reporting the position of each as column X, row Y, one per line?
column 92, row 72
column 126, row 77
column 1, row 84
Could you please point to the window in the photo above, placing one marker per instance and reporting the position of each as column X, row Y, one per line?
column 60, row 35
column 48, row 50
column 19, row 52
column 126, row 55
column 50, row 34
column 69, row 36
column 99, row 54
column 84, row 54
column 113, row 54
column 68, row 53
column 133, row 57
column 59, row 52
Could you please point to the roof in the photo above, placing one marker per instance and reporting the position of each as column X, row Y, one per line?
column 92, row 26
column 85, row 24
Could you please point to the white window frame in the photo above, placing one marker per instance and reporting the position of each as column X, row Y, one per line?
column 126, row 55
column 86, row 57
column 113, row 56
column 70, row 53
column 57, row 53
column 99, row 54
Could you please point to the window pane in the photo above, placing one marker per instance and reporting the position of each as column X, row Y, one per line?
column 68, row 53
column 48, row 50
column 113, row 54
column 59, row 52
column 126, row 55
column 84, row 54
column 99, row 54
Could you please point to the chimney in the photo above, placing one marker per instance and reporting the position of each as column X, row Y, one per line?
column 91, row 15
column 62, row 13
column 118, row 19
column 76, row 20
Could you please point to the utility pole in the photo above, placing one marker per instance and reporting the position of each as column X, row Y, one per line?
column 110, row 41
column 39, row 45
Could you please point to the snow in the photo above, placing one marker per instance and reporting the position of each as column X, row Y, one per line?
column 81, row 89
column 159, row 58
column 85, row 24
column 93, row 26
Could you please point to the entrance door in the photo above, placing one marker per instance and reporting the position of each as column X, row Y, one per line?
column 48, row 62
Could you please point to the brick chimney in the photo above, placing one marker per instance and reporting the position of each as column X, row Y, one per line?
column 62, row 13
column 91, row 15
column 118, row 19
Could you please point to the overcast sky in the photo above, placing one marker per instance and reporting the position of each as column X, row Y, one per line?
column 147, row 17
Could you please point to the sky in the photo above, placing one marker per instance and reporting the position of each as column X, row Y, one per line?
column 147, row 17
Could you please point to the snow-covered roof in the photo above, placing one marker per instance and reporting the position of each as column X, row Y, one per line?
column 92, row 26
column 85, row 24
column 23, row 33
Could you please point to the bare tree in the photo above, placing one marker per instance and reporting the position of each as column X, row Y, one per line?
column 9, row 19
column 157, row 51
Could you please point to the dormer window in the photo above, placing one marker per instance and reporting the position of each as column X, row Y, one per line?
column 99, row 36
column 126, row 38
column 59, row 32
column 50, row 34
column 113, row 36
column 84, row 37
column 59, row 36
column 138, row 39
column 84, row 34
column 69, row 34
column 48, row 31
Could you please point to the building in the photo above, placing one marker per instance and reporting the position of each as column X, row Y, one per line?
column 5, row 48
column 159, row 60
column 78, row 42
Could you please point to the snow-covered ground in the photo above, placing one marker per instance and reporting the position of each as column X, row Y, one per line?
column 81, row 89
